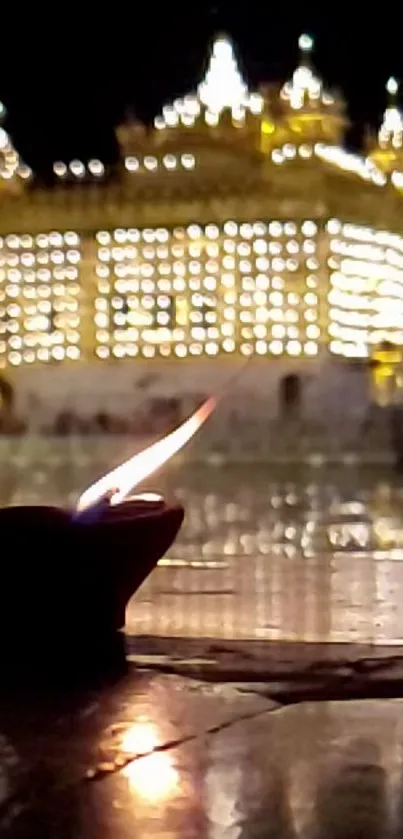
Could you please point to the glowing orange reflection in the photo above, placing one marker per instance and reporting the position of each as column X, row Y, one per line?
column 153, row 777
column 124, row 478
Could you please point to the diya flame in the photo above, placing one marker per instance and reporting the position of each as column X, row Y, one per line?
column 120, row 482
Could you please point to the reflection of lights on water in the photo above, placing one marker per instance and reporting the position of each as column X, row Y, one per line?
column 153, row 777
column 343, row 535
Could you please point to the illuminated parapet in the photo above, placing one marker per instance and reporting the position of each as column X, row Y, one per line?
column 165, row 163
column 40, row 298
column 77, row 171
column 204, row 291
column 366, row 289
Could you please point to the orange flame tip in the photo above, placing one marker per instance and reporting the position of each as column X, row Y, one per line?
column 120, row 482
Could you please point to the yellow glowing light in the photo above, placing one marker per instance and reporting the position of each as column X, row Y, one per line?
column 154, row 777
column 268, row 127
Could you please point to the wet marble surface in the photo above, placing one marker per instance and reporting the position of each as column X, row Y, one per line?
column 300, row 554
column 158, row 756
column 310, row 555
column 265, row 553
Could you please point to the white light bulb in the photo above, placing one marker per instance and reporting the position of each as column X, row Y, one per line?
column 392, row 86
column 305, row 43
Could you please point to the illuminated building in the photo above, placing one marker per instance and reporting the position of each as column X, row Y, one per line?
column 238, row 227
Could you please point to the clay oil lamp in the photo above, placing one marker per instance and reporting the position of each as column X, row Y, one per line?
column 67, row 576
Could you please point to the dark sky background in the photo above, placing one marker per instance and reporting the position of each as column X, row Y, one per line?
column 68, row 76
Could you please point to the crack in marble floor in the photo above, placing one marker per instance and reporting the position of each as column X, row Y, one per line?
column 106, row 768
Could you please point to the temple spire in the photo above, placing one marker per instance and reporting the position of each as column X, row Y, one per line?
column 223, row 85
column 304, row 87
column 12, row 168
column 391, row 131
column 223, row 89
column 312, row 114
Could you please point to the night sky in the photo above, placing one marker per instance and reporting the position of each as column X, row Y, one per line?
column 67, row 80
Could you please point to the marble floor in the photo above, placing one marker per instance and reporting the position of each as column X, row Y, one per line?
column 161, row 757
column 313, row 555
column 298, row 553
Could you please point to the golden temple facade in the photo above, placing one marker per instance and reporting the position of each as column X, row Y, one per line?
column 238, row 226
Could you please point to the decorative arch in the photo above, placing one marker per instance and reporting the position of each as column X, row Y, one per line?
column 290, row 395
column 7, row 394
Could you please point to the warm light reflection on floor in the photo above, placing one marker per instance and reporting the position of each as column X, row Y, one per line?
column 153, row 778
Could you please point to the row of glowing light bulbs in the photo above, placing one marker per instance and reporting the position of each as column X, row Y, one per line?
column 211, row 348
column 340, row 157
column 367, row 252
column 249, row 295
column 148, row 300
column 253, row 291
column 372, row 263
column 245, row 230
column 39, row 335
column 201, row 327
column 180, row 350
column 187, row 110
column 68, row 274
column 348, row 161
column 355, row 298
column 28, row 259
column 150, row 163
column 258, row 282
column 119, row 253
column 46, row 290
column 21, row 169
column 182, row 269
column 39, row 321
column 249, row 329
column 342, row 320
column 248, row 230
column 43, row 292
column 157, row 333
column 362, row 269
column 359, row 287
column 42, row 354
column 261, row 315
column 361, row 233
column 54, row 239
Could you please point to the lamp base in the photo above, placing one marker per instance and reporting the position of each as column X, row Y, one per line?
column 66, row 584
